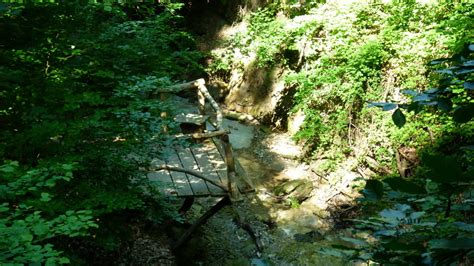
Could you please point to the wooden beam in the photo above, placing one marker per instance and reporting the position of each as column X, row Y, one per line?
column 229, row 160
column 202, row 220
column 202, row 88
column 206, row 135
column 183, row 86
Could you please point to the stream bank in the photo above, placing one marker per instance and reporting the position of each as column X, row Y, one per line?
column 298, row 208
column 290, row 228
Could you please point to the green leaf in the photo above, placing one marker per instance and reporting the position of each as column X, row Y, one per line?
column 40, row 229
column 50, row 182
column 373, row 189
column 468, row 147
column 464, row 226
column 464, row 71
column 399, row 118
column 402, row 185
column 459, row 243
column 399, row 245
column 64, row 260
column 410, row 92
column 445, row 71
column 354, row 242
column 45, row 196
column 384, row 106
column 392, row 216
column 422, row 97
column 386, row 232
column 469, row 85
column 438, row 61
column 464, row 114
column 26, row 237
column 445, row 104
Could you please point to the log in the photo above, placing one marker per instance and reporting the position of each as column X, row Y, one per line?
column 182, row 86
column 206, row 135
column 202, row 220
column 241, row 222
column 213, row 103
column 238, row 116
column 203, row 93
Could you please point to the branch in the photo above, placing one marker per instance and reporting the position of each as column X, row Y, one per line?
column 202, row 88
column 191, row 172
column 206, row 135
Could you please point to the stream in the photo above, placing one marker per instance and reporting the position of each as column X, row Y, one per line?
column 294, row 230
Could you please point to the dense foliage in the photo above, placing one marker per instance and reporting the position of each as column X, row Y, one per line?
column 78, row 118
column 77, row 122
column 343, row 57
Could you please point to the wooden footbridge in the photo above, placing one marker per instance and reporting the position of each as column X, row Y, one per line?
column 207, row 168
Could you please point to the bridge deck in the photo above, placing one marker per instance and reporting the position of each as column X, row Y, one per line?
column 208, row 159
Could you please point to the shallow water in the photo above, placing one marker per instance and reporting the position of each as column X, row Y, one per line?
column 290, row 235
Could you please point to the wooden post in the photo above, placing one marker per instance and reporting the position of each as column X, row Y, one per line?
column 229, row 159
column 202, row 108
column 163, row 115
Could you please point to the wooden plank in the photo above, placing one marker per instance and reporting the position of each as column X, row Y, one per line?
column 162, row 179
column 207, row 169
column 180, row 180
column 217, row 162
column 203, row 135
column 198, row 185
column 196, row 119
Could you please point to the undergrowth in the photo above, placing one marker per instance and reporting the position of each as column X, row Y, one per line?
column 78, row 120
column 339, row 57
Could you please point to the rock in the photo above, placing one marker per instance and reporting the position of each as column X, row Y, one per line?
column 241, row 135
column 295, row 121
column 260, row 92
column 297, row 189
column 309, row 237
column 284, row 146
column 319, row 167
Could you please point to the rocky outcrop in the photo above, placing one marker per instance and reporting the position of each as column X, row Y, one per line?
column 261, row 93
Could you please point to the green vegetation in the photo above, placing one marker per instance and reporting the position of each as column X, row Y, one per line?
column 343, row 58
column 79, row 118
column 77, row 122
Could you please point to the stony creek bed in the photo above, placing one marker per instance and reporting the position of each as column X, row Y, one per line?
column 295, row 212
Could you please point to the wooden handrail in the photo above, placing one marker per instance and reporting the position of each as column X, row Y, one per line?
column 205, row 135
column 231, row 174
column 203, row 94
column 203, row 90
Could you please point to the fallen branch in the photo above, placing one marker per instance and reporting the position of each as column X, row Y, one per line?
column 191, row 172
column 205, row 135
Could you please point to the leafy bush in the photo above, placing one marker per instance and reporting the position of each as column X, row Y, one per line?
column 26, row 224
column 433, row 206
column 348, row 54
column 76, row 87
